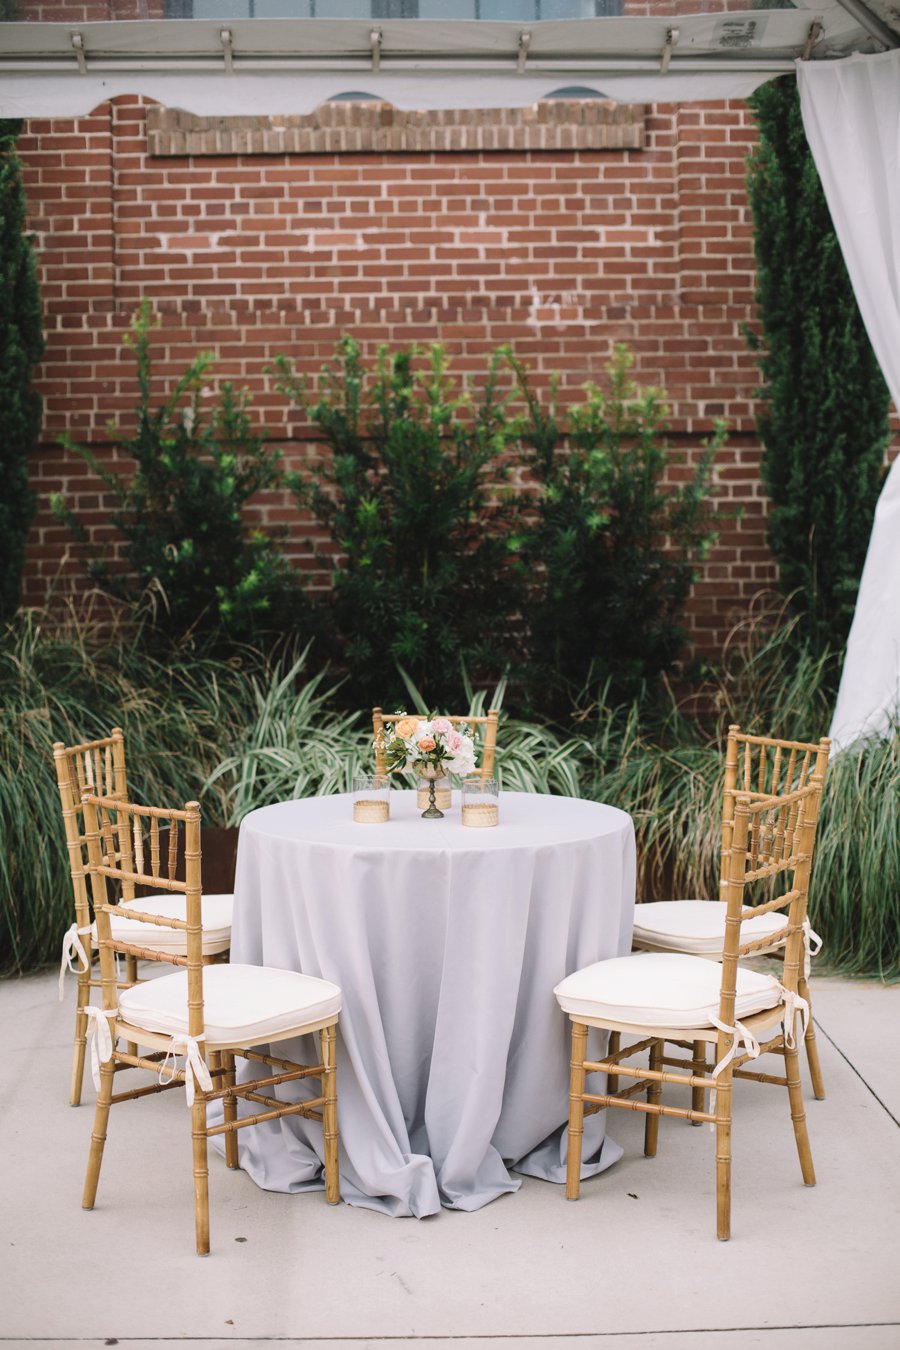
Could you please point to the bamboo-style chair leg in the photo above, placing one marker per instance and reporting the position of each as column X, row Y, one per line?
column 231, row 1111
column 201, row 1172
column 614, row 1045
column 79, row 1047
column 131, row 975
column 98, row 1135
column 654, row 1096
column 576, row 1110
column 699, row 1069
column 812, row 1049
column 724, row 1100
column 329, row 1115
column 798, row 1115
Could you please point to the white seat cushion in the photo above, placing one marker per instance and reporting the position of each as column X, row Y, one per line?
column 215, row 913
column 664, row 989
column 696, row 926
column 242, row 1005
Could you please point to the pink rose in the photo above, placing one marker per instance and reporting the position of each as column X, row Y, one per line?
column 442, row 725
column 454, row 741
column 426, row 743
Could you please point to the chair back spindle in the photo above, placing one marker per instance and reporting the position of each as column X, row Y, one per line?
column 94, row 766
column 765, row 766
column 119, row 837
column 771, row 849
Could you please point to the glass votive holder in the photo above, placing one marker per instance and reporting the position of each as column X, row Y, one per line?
column 480, row 802
column 370, row 799
column 442, row 798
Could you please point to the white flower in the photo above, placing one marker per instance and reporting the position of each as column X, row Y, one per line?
column 463, row 762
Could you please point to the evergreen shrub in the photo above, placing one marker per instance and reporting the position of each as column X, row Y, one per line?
column 21, row 347
column 824, row 420
column 187, row 548
column 411, row 495
column 611, row 548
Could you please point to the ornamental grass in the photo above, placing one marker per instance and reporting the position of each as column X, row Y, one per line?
column 72, row 681
column 256, row 728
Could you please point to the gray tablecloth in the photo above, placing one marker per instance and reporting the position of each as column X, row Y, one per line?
column 447, row 943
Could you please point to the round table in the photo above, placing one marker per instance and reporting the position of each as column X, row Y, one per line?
column 447, row 942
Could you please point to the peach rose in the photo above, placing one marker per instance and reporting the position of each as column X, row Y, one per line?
column 406, row 727
column 426, row 743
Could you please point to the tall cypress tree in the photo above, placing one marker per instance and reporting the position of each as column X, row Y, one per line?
column 824, row 418
column 21, row 346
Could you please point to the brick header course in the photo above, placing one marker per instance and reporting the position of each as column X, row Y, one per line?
column 357, row 127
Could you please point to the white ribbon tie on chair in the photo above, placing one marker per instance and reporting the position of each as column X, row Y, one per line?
column 810, row 936
column 742, row 1037
column 793, row 1004
column 194, row 1065
column 812, row 945
column 99, row 1037
column 73, row 946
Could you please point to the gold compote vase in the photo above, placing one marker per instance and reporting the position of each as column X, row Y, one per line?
column 431, row 772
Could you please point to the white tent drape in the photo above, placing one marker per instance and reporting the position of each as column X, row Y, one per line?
column 291, row 65
column 851, row 113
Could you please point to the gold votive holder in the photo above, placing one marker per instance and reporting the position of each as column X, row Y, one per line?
column 371, row 805
column 480, row 802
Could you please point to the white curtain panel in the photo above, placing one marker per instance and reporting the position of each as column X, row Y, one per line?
column 851, row 113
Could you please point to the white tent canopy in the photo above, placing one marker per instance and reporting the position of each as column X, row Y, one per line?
column 235, row 65
column 846, row 52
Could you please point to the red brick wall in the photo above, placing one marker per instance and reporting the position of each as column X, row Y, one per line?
column 559, row 252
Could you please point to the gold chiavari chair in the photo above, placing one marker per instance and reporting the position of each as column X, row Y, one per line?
column 99, row 766
column 757, row 767
column 210, row 1014
column 671, row 997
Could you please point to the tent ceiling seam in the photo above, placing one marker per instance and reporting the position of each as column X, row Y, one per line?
column 871, row 23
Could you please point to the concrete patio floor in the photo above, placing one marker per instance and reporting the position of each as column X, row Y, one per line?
column 634, row 1265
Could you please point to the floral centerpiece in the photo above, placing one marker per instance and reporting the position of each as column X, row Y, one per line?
column 431, row 748
column 412, row 743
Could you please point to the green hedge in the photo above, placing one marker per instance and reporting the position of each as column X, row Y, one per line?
column 573, row 578
column 21, row 347
column 824, row 412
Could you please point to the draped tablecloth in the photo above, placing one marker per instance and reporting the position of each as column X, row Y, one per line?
column 447, row 942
